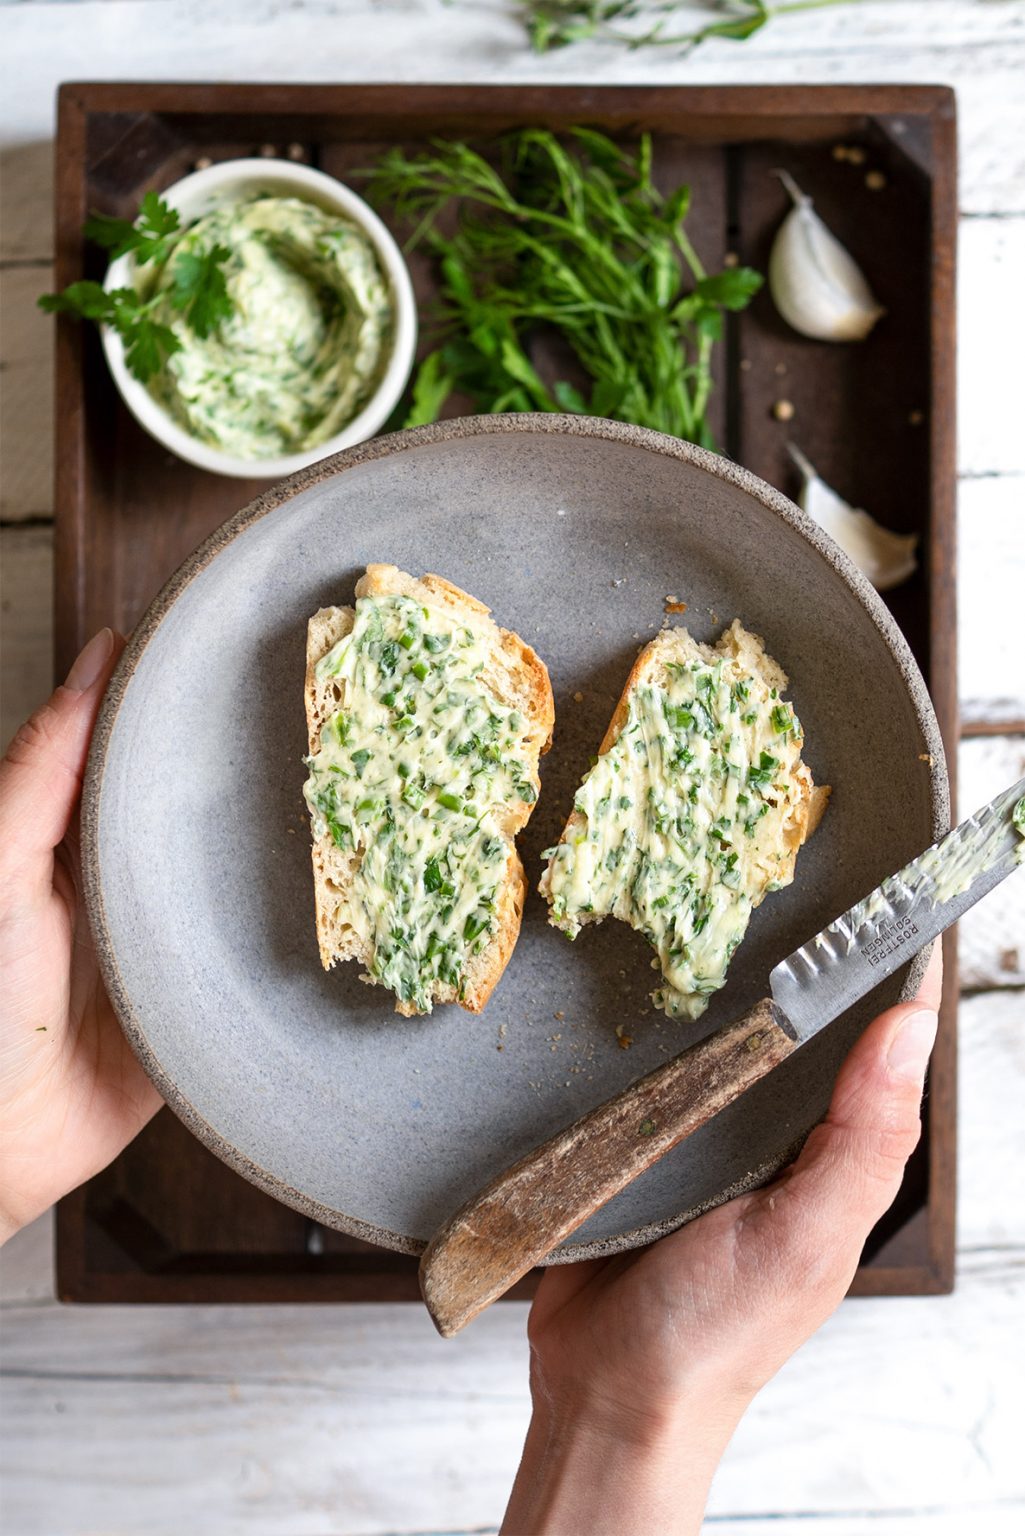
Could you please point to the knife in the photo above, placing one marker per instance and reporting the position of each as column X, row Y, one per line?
column 525, row 1212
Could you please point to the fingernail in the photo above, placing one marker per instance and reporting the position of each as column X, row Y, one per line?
column 91, row 662
column 910, row 1046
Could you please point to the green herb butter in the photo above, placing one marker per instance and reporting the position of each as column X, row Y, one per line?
column 305, row 341
column 690, row 817
column 412, row 775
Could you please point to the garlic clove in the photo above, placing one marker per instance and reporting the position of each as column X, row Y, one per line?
column 818, row 288
column 886, row 558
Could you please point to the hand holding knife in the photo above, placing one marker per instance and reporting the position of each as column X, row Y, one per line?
column 523, row 1213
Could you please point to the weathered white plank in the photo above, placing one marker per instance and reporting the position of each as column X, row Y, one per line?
column 991, row 937
column 990, row 585
column 991, row 336
column 352, row 1421
column 896, row 1404
column 991, row 579
column 26, row 1264
column 26, row 401
column 26, row 623
column 985, row 1519
column 26, row 197
column 991, row 1134
column 255, row 1422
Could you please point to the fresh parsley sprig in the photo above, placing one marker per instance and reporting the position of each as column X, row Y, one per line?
column 199, row 290
column 149, row 236
column 148, row 344
column 570, row 241
column 558, row 23
column 197, row 286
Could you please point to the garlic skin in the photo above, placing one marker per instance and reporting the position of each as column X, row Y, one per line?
column 817, row 287
column 886, row 558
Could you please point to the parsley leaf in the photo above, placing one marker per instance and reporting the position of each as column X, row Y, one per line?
column 90, row 301
column 148, row 345
column 200, row 289
column 147, row 237
column 733, row 288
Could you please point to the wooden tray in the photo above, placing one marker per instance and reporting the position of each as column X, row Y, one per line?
column 168, row 1221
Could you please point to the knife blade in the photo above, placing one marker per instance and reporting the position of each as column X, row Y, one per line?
column 526, row 1211
column 880, row 933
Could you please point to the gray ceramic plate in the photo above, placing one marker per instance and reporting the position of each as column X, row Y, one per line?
column 196, row 839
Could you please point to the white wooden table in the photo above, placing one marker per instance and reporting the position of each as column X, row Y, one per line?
column 903, row 1417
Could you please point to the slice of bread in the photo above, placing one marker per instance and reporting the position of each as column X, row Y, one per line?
column 398, row 873
column 694, row 809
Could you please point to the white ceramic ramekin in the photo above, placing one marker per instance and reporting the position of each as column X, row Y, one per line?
column 232, row 181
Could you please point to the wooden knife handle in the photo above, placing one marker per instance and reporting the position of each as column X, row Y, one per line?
column 525, row 1212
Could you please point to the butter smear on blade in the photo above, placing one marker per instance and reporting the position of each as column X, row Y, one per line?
column 693, row 812
column 412, row 773
column 305, row 343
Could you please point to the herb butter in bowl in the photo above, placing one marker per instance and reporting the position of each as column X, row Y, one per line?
column 304, row 332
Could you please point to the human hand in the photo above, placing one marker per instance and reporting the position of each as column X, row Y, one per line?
column 642, row 1365
column 72, row 1094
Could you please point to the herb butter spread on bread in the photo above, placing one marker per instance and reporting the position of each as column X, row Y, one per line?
column 426, row 723
column 695, row 808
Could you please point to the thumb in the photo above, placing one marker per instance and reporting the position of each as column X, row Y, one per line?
column 41, row 771
column 855, row 1159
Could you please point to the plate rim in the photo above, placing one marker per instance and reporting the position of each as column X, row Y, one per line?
column 279, row 495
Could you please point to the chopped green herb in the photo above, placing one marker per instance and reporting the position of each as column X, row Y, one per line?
column 762, row 774
column 475, row 925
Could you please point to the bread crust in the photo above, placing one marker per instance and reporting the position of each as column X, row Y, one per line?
column 519, row 678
